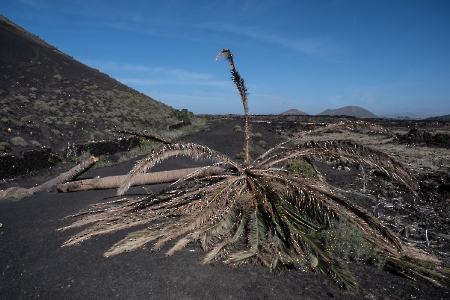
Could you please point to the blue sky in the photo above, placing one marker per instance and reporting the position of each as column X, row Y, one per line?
column 386, row 56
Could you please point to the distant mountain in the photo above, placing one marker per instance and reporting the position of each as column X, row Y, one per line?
column 407, row 115
column 354, row 111
column 294, row 112
column 440, row 118
column 47, row 98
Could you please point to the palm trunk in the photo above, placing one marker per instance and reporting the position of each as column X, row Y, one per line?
column 113, row 182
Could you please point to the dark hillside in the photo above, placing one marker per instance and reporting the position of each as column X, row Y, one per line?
column 353, row 111
column 440, row 118
column 294, row 112
column 48, row 99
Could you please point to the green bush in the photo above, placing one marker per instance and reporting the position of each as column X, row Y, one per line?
column 25, row 120
column 349, row 244
column 50, row 120
column 302, row 167
column 36, row 143
column 262, row 143
column 69, row 120
column 251, row 153
column 96, row 135
column 55, row 131
column 18, row 141
column 4, row 147
column 183, row 115
column 41, row 106
column 240, row 155
column 22, row 99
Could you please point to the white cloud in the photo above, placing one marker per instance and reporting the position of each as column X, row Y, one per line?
column 31, row 2
column 335, row 100
column 201, row 103
column 320, row 46
column 34, row 4
column 183, row 74
column 174, row 81
column 145, row 75
column 109, row 66
column 368, row 94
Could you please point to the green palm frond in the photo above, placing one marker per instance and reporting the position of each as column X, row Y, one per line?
column 415, row 268
column 257, row 212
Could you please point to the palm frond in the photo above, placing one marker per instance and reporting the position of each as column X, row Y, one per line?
column 192, row 150
column 221, row 249
column 146, row 135
column 343, row 125
column 356, row 126
column 343, row 149
column 138, row 239
column 257, row 230
column 415, row 268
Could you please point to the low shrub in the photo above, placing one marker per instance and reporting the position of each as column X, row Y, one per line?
column 262, row 143
column 18, row 141
column 183, row 115
column 4, row 147
column 347, row 243
column 302, row 167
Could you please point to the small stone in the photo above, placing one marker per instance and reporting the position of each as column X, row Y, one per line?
column 1, row 225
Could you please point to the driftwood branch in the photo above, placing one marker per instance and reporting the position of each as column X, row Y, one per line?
column 113, row 182
column 18, row 192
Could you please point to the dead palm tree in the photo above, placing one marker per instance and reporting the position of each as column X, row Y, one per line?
column 256, row 212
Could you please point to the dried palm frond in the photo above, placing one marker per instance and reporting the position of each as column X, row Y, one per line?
column 257, row 212
column 146, row 135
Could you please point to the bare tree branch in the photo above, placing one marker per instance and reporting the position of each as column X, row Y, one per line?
column 18, row 192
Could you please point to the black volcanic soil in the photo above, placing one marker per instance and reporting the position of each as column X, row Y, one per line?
column 49, row 99
column 33, row 265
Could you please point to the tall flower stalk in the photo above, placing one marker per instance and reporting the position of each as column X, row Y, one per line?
column 239, row 82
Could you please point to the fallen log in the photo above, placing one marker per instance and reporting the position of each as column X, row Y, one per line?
column 113, row 182
column 18, row 192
